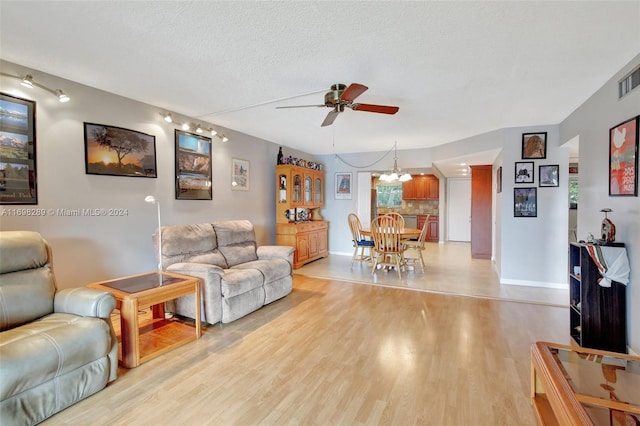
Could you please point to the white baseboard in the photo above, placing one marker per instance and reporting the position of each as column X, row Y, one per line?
column 340, row 253
column 561, row 286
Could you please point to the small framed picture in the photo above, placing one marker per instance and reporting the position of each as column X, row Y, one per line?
column 548, row 175
column 524, row 172
column 525, row 202
column 499, row 180
column 343, row 186
column 623, row 158
column 534, row 145
column 239, row 175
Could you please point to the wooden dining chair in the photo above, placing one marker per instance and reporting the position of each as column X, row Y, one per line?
column 413, row 249
column 387, row 243
column 398, row 218
column 360, row 244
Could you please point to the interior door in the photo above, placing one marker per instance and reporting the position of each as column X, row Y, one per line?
column 459, row 209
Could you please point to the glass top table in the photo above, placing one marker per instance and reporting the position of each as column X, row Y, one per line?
column 585, row 386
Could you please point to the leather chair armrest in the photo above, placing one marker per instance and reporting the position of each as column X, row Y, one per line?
column 275, row 252
column 84, row 301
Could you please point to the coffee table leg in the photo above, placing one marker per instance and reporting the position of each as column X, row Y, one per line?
column 198, row 318
column 130, row 333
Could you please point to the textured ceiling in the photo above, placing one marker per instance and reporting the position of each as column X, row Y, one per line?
column 455, row 69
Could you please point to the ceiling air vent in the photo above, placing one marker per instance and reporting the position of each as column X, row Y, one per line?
column 629, row 82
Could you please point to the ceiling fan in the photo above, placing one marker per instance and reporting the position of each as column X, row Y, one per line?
column 342, row 96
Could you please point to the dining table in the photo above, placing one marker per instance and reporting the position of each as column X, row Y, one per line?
column 405, row 233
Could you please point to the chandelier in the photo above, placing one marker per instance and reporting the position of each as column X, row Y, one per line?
column 396, row 173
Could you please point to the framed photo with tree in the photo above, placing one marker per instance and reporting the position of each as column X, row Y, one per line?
column 114, row 151
column 18, row 176
column 193, row 166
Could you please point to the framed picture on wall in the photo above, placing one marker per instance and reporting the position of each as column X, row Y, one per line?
column 343, row 186
column 239, row 175
column 18, row 177
column 114, row 151
column 525, row 202
column 534, row 145
column 193, row 166
column 548, row 175
column 524, row 172
column 499, row 180
column 623, row 158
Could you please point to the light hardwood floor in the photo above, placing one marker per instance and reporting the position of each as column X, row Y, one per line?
column 342, row 353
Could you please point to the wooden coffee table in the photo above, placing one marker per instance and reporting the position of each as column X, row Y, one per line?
column 162, row 335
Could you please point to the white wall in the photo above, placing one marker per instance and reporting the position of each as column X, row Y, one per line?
column 591, row 122
column 87, row 249
column 534, row 249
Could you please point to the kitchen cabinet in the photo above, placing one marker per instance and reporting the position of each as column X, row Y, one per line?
column 421, row 187
column 432, row 227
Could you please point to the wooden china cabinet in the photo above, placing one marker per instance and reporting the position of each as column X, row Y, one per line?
column 299, row 198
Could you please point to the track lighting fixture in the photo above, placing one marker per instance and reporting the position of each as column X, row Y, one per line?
column 187, row 126
column 27, row 81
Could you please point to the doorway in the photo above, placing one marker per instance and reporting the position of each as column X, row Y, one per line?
column 459, row 208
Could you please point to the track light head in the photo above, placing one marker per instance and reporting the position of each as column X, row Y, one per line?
column 186, row 126
column 213, row 132
column 168, row 118
column 27, row 81
column 199, row 129
column 62, row 97
column 224, row 138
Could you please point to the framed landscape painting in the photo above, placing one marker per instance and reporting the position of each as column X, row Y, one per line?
column 18, row 176
column 193, row 166
column 114, row 151
column 623, row 158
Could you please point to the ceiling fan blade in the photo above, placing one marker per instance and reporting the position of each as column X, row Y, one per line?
column 300, row 106
column 382, row 109
column 352, row 92
column 330, row 118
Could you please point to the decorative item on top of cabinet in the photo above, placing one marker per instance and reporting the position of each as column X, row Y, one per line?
column 299, row 224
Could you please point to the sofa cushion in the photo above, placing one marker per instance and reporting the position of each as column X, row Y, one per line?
column 236, row 241
column 22, row 250
column 272, row 269
column 240, row 281
column 45, row 349
column 195, row 243
column 25, row 296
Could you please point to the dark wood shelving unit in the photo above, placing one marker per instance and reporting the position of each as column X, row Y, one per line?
column 598, row 317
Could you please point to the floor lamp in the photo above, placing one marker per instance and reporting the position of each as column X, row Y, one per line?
column 152, row 200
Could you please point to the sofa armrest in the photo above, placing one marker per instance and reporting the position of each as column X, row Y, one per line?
column 86, row 302
column 211, row 287
column 275, row 252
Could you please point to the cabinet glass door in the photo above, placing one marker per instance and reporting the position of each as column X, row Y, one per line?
column 282, row 188
column 308, row 187
column 297, row 189
column 318, row 191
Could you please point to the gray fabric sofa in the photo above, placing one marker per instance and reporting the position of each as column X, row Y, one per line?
column 56, row 347
column 237, row 276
